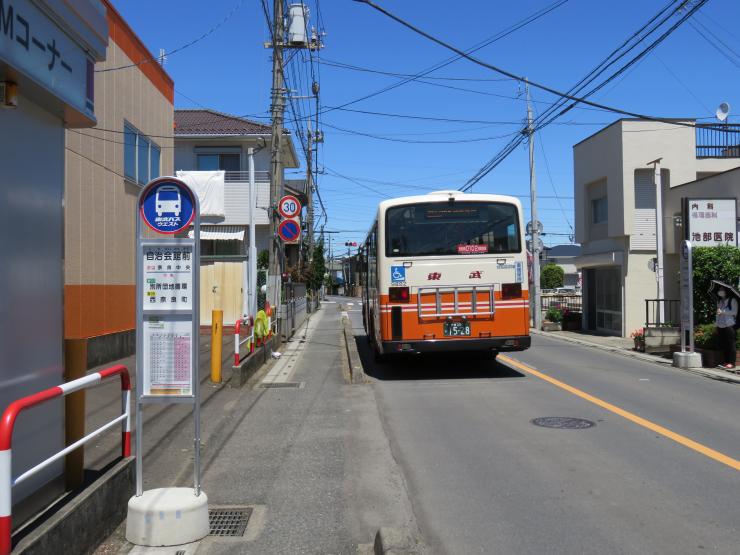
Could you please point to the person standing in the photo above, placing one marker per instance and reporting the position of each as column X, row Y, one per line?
column 726, row 317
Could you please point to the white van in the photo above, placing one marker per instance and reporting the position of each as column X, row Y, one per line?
column 171, row 202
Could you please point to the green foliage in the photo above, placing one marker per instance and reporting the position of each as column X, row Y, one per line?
column 721, row 263
column 554, row 315
column 552, row 276
column 317, row 268
column 263, row 260
column 706, row 337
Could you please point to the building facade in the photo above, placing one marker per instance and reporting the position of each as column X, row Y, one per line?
column 47, row 53
column 105, row 168
column 615, row 210
column 207, row 140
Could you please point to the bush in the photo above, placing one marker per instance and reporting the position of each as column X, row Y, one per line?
column 552, row 276
column 721, row 263
column 263, row 260
column 705, row 337
column 554, row 315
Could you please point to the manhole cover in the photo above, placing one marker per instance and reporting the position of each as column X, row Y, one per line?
column 229, row 522
column 563, row 422
column 282, row 385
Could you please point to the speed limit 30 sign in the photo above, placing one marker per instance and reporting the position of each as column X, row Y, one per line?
column 289, row 206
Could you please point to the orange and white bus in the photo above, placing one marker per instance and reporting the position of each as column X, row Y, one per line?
column 446, row 271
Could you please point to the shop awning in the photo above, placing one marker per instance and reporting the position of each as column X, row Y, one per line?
column 220, row 232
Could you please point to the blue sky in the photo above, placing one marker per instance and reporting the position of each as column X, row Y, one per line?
column 230, row 71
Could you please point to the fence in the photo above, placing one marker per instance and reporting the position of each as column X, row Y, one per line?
column 7, row 424
column 573, row 303
column 671, row 313
column 718, row 140
column 295, row 308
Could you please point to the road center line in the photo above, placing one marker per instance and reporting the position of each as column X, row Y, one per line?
column 678, row 438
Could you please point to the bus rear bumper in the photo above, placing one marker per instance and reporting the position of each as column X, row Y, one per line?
column 498, row 344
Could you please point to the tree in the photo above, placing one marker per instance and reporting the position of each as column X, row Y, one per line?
column 317, row 268
column 721, row 263
column 263, row 260
column 551, row 276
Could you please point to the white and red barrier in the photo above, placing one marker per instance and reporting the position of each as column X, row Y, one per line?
column 7, row 423
column 238, row 341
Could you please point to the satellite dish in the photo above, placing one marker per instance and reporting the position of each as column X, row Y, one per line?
column 723, row 110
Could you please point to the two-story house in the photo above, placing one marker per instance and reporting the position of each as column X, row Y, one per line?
column 615, row 211
column 207, row 140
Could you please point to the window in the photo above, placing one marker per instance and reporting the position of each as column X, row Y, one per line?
column 216, row 248
column 212, row 162
column 141, row 156
column 599, row 210
column 434, row 229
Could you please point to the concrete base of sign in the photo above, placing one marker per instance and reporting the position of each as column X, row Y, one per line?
column 687, row 360
column 167, row 516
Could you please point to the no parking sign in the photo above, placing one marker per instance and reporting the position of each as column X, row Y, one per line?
column 290, row 230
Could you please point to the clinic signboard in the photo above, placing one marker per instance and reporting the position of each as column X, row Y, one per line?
column 710, row 222
column 167, row 303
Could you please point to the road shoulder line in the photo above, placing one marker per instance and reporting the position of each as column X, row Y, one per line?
column 657, row 428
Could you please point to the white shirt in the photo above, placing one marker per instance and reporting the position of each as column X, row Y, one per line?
column 728, row 308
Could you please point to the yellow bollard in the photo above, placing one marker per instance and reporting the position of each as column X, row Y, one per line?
column 217, row 328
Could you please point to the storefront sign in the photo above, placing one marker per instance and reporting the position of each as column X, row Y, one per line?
column 710, row 222
column 32, row 43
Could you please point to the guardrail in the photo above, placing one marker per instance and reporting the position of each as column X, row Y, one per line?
column 7, row 424
column 238, row 341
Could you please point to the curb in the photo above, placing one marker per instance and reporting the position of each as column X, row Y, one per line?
column 356, row 372
column 705, row 372
column 242, row 373
column 90, row 517
column 396, row 541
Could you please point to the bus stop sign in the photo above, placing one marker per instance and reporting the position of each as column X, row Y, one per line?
column 167, row 205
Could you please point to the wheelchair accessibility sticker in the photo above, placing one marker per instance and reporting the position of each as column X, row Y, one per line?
column 398, row 274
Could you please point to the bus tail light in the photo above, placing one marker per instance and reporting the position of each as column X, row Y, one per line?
column 511, row 290
column 398, row 294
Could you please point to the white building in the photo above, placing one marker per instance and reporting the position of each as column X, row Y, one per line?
column 208, row 140
column 615, row 209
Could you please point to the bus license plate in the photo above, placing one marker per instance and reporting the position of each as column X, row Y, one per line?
column 457, row 328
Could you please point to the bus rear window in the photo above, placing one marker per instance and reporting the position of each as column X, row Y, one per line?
column 440, row 229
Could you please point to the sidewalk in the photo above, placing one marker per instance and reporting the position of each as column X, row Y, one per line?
column 624, row 347
column 302, row 450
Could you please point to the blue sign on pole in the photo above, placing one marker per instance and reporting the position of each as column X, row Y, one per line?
column 289, row 230
column 167, row 205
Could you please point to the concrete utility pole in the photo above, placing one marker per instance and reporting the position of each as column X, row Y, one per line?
column 658, row 182
column 535, row 292
column 314, row 138
column 276, row 162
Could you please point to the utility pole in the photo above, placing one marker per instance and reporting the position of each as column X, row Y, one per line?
column 276, row 162
column 535, row 293
column 659, row 238
column 314, row 138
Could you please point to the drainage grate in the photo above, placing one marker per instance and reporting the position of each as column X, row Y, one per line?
column 229, row 522
column 563, row 422
column 283, row 385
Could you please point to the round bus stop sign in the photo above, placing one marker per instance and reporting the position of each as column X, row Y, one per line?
column 167, row 205
column 289, row 230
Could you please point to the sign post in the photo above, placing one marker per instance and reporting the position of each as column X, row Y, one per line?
column 687, row 358
column 167, row 335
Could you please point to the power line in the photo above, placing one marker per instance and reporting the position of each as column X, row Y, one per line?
column 417, row 141
column 538, row 85
column 182, row 47
column 343, row 65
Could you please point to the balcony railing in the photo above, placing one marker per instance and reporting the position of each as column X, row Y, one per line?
column 243, row 177
column 718, row 140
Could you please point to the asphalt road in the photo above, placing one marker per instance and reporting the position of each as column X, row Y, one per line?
column 657, row 473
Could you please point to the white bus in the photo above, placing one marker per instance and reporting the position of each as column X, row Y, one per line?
column 446, row 271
